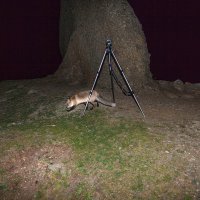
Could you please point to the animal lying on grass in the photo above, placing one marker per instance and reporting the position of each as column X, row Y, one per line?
column 82, row 98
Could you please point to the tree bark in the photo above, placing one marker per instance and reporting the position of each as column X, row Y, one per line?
column 84, row 28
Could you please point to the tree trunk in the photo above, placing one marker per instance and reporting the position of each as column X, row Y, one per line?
column 84, row 28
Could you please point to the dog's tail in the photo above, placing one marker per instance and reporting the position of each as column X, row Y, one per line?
column 104, row 102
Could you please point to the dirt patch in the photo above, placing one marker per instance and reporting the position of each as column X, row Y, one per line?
column 29, row 169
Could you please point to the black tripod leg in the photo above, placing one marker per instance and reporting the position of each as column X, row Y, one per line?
column 111, row 77
column 95, row 81
column 126, row 82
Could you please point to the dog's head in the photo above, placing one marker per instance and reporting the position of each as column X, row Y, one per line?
column 69, row 103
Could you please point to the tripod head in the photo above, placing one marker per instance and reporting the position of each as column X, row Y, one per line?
column 108, row 44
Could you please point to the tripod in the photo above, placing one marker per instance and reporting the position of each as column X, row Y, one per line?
column 108, row 52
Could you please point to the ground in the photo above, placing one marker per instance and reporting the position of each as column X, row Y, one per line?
column 110, row 153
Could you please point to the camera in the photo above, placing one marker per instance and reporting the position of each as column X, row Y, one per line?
column 108, row 44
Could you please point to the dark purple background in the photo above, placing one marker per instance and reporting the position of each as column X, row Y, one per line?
column 29, row 36
column 172, row 29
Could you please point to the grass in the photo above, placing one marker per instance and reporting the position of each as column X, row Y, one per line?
column 111, row 158
column 121, row 155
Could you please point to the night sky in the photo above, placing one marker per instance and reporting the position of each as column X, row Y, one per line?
column 29, row 38
column 172, row 30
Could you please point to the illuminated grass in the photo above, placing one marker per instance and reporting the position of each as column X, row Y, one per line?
column 112, row 158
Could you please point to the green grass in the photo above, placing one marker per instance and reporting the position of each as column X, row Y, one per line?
column 112, row 158
column 3, row 186
column 121, row 154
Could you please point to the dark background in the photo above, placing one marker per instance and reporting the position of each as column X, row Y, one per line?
column 29, row 38
column 172, row 29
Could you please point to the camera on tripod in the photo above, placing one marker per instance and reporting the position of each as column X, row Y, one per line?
column 108, row 44
column 108, row 52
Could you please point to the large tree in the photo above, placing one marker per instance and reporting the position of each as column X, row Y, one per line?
column 84, row 28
